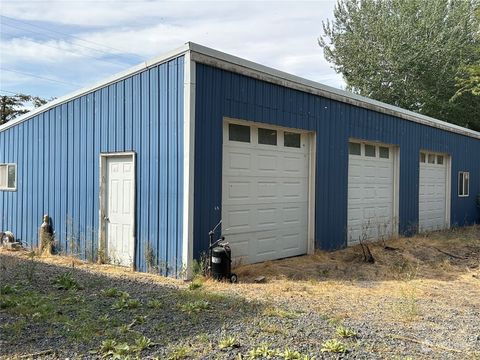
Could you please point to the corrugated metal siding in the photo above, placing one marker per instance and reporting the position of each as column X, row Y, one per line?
column 222, row 93
column 57, row 155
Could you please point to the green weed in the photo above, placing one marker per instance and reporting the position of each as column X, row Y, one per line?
column 197, row 306
column 66, row 281
column 179, row 352
column 333, row 346
column 228, row 342
column 263, row 351
column 345, row 332
column 281, row 313
column 288, row 354
column 154, row 304
column 111, row 293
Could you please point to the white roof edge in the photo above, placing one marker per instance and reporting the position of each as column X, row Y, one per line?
column 330, row 92
column 287, row 79
column 108, row 81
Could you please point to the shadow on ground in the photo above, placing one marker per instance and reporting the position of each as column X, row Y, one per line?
column 69, row 311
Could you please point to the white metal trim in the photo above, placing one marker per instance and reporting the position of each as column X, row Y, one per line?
column 16, row 177
column 188, row 165
column 312, row 169
column 232, row 63
column 448, row 189
column 103, row 198
column 228, row 62
column 396, row 190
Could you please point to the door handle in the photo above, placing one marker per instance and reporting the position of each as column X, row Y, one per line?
column 106, row 218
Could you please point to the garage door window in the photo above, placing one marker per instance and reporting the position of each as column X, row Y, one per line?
column 440, row 159
column 8, row 176
column 291, row 139
column 267, row 136
column 370, row 150
column 384, row 152
column 354, row 148
column 423, row 157
column 463, row 183
column 431, row 159
column 239, row 133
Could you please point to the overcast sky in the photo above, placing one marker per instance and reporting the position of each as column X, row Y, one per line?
column 71, row 44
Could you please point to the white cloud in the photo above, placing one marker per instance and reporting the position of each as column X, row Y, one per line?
column 282, row 35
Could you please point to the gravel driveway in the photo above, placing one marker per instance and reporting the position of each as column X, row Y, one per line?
column 414, row 302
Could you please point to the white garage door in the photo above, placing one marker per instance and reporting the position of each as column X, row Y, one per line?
column 371, row 198
column 432, row 192
column 264, row 191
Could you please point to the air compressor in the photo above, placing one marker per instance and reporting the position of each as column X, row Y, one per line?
column 220, row 258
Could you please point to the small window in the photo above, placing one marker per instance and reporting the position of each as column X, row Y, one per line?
column 440, row 159
column 370, row 150
column 354, row 148
column 267, row 136
column 463, row 183
column 384, row 152
column 291, row 139
column 8, row 176
column 423, row 157
column 239, row 133
column 431, row 159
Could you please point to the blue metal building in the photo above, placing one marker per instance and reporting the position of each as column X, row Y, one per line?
column 138, row 168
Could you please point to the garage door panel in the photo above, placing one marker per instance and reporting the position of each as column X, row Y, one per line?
column 238, row 220
column 267, row 243
column 267, row 218
column 370, row 197
column 265, row 200
column 432, row 196
column 292, row 242
column 267, row 164
column 239, row 190
column 239, row 160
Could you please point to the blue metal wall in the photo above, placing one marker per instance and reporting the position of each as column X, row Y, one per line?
column 57, row 155
column 222, row 93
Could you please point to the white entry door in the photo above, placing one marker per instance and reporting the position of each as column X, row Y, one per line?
column 371, row 192
column 119, row 209
column 265, row 191
column 432, row 207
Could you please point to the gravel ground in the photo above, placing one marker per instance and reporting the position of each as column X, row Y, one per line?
column 432, row 314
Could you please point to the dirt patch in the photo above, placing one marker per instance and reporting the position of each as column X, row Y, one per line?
column 421, row 300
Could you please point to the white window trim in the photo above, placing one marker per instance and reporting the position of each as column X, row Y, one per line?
column 16, row 177
column 468, row 184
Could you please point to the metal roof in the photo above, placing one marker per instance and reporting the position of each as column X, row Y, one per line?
column 229, row 62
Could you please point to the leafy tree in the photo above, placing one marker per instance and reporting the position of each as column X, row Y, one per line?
column 407, row 53
column 16, row 105
column 469, row 79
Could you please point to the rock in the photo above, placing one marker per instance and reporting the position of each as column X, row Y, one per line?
column 260, row 279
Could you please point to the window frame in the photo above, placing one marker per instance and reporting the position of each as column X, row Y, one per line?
column 230, row 125
column 384, row 148
column 7, row 188
column 292, row 133
column 355, row 144
column 461, row 182
column 264, row 129
column 370, row 146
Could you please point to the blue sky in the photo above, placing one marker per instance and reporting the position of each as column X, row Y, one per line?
column 51, row 48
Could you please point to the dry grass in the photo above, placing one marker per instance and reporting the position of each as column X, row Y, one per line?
column 427, row 276
column 341, row 286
